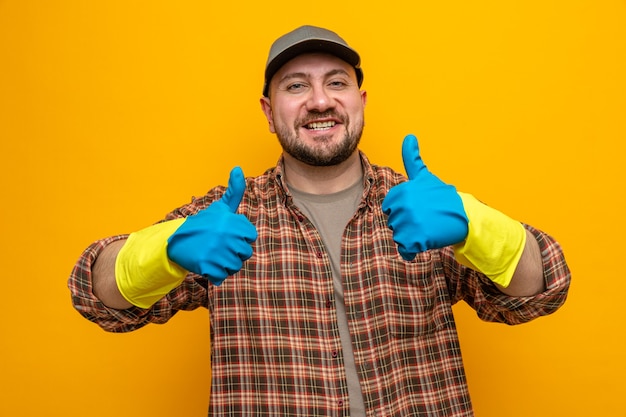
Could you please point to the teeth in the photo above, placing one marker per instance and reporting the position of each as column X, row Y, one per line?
column 321, row 125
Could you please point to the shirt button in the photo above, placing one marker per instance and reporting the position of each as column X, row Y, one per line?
column 300, row 219
column 335, row 353
column 329, row 303
column 340, row 403
column 319, row 254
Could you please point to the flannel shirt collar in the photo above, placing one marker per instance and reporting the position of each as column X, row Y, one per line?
column 369, row 195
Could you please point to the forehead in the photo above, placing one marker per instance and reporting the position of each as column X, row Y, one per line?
column 314, row 64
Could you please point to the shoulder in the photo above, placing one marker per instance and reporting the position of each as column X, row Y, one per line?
column 382, row 176
column 257, row 189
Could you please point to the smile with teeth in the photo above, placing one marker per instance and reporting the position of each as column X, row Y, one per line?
column 320, row 125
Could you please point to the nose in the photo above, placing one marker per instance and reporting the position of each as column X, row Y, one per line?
column 320, row 99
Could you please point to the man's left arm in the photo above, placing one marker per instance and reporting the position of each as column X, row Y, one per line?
column 492, row 301
column 528, row 277
column 426, row 213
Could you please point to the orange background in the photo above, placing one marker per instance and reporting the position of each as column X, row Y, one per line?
column 112, row 113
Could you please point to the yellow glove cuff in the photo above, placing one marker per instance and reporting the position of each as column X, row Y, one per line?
column 143, row 272
column 494, row 243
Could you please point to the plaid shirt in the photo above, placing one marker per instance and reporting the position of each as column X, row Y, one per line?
column 276, row 349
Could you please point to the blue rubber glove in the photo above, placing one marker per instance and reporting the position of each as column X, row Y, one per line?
column 424, row 212
column 215, row 241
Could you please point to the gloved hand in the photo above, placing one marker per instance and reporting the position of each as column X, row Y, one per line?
column 423, row 212
column 214, row 243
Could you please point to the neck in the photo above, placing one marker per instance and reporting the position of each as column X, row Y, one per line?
column 322, row 180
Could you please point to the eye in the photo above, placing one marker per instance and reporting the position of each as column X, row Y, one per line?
column 296, row 87
column 337, row 84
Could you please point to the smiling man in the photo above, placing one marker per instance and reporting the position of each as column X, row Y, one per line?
column 316, row 111
column 329, row 280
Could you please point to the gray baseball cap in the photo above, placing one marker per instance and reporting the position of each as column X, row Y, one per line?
column 309, row 39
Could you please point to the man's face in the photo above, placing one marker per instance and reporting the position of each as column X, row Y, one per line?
column 315, row 108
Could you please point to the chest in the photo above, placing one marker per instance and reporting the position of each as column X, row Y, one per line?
column 288, row 282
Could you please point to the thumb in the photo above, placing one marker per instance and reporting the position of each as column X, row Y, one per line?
column 236, row 188
column 413, row 164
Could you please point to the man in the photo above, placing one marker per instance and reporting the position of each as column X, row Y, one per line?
column 341, row 273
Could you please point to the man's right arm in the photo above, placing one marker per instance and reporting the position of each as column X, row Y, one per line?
column 117, row 280
column 103, row 276
column 97, row 263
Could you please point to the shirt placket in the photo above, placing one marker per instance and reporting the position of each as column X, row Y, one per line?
column 360, row 310
column 331, row 343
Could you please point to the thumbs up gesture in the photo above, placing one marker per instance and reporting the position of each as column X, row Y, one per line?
column 424, row 212
column 215, row 241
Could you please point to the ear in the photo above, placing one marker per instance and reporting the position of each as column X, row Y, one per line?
column 364, row 97
column 267, row 110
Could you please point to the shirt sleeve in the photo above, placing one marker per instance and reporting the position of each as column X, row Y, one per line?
column 191, row 294
column 493, row 305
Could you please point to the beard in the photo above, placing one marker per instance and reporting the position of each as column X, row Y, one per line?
column 325, row 153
